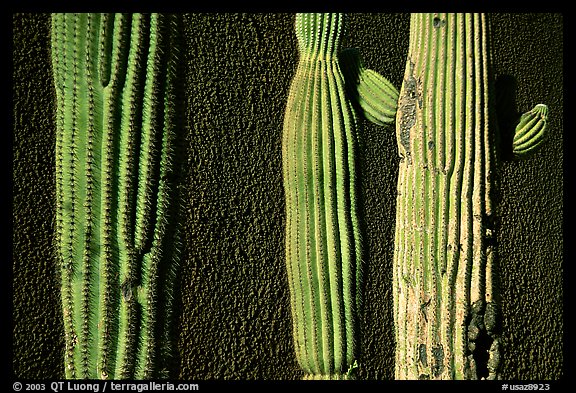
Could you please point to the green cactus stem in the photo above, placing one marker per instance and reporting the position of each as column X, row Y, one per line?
column 323, row 240
column 445, row 296
column 117, row 237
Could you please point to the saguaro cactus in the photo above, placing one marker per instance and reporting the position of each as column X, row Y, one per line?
column 444, row 261
column 323, row 242
column 115, row 211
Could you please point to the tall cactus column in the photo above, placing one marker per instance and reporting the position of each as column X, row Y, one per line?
column 445, row 304
column 323, row 242
column 115, row 165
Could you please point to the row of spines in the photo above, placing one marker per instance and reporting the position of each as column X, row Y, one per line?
column 111, row 214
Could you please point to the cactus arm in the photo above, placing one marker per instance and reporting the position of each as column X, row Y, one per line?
column 522, row 134
column 530, row 131
column 99, row 76
column 375, row 95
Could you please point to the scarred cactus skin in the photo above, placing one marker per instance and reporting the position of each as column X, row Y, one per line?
column 323, row 240
column 117, row 237
column 444, row 271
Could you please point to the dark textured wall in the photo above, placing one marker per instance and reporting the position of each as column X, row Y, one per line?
column 530, row 241
column 235, row 318
column 38, row 339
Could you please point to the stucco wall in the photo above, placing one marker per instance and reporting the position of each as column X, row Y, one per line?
column 235, row 318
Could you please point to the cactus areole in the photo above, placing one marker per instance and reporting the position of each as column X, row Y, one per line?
column 115, row 210
column 445, row 294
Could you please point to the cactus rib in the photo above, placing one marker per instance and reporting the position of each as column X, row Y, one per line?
column 375, row 95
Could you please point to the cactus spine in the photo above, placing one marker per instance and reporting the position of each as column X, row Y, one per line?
column 116, row 231
column 323, row 243
column 445, row 304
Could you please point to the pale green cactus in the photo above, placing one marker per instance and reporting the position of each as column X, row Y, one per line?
column 445, row 296
column 115, row 211
column 323, row 240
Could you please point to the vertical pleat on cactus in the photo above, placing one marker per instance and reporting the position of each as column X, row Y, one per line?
column 445, row 303
column 117, row 233
column 323, row 239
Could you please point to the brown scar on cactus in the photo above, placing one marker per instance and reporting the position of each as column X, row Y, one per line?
column 445, row 266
